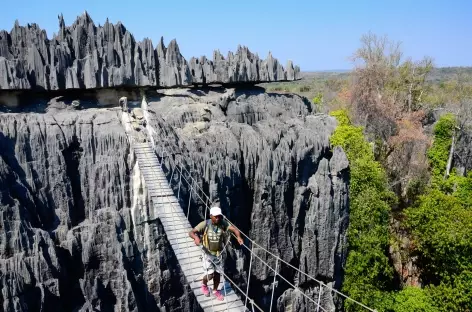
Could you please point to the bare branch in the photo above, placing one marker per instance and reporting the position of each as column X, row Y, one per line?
column 451, row 153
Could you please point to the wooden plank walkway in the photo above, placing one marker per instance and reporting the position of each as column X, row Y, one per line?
column 177, row 227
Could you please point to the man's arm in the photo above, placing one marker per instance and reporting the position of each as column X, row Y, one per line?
column 193, row 234
column 237, row 233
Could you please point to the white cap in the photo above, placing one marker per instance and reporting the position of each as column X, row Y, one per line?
column 215, row 211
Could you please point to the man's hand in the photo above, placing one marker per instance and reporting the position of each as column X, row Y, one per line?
column 196, row 238
column 237, row 233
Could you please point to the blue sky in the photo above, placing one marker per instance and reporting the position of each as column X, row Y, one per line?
column 317, row 35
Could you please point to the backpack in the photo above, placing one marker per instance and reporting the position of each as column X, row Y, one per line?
column 212, row 240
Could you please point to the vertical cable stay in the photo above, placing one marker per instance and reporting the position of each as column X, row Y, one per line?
column 319, row 298
column 273, row 284
column 248, row 278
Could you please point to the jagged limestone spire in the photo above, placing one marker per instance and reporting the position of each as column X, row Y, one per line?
column 62, row 27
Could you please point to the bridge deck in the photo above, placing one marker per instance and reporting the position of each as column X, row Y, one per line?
column 177, row 227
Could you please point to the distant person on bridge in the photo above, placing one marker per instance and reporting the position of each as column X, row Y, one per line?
column 213, row 232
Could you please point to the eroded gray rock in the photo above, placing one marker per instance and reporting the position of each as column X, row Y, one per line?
column 86, row 56
column 267, row 160
column 76, row 230
column 463, row 155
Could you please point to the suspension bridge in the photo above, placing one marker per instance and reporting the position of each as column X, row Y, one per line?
column 167, row 203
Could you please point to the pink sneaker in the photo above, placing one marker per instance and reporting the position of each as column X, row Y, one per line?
column 205, row 290
column 219, row 295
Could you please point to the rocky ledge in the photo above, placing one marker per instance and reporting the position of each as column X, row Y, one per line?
column 86, row 56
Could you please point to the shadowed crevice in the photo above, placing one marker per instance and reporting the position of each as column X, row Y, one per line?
column 72, row 155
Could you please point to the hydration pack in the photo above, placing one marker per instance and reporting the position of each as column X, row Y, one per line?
column 213, row 240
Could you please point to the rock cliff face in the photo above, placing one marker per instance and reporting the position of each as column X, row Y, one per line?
column 267, row 160
column 86, row 56
column 77, row 232
column 463, row 155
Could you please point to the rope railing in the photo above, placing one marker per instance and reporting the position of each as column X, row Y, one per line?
column 251, row 301
column 252, row 253
column 206, row 199
column 289, row 283
column 225, row 276
column 173, row 214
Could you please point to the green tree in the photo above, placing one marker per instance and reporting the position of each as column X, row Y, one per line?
column 455, row 295
column 414, row 299
column 441, row 225
column 410, row 85
column 439, row 152
column 368, row 273
column 318, row 100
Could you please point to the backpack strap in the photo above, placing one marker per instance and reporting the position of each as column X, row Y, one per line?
column 207, row 225
column 205, row 235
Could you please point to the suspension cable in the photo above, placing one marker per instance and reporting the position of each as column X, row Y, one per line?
column 252, row 253
column 275, row 272
column 206, row 258
column 240, row 290
column 253, row 242
column 264, row 249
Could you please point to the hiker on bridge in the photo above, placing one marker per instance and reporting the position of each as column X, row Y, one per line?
column 213, row 232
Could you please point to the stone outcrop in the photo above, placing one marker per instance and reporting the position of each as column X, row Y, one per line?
column 243, row 66
column 266, row 160
column 77, row 232
column 463, row 150
column 84, row 55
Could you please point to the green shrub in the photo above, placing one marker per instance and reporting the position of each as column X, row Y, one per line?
column 343, row 119
column 414, row 299
column 439, row 151
column 318, row 100
column 455, row 295
column 442, row 228
column 441, row 224
column 464, row 190
column 368, row 273
column 304, row 89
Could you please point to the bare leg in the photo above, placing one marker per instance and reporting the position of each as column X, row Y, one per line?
column 208, row 277
column 216, row 281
